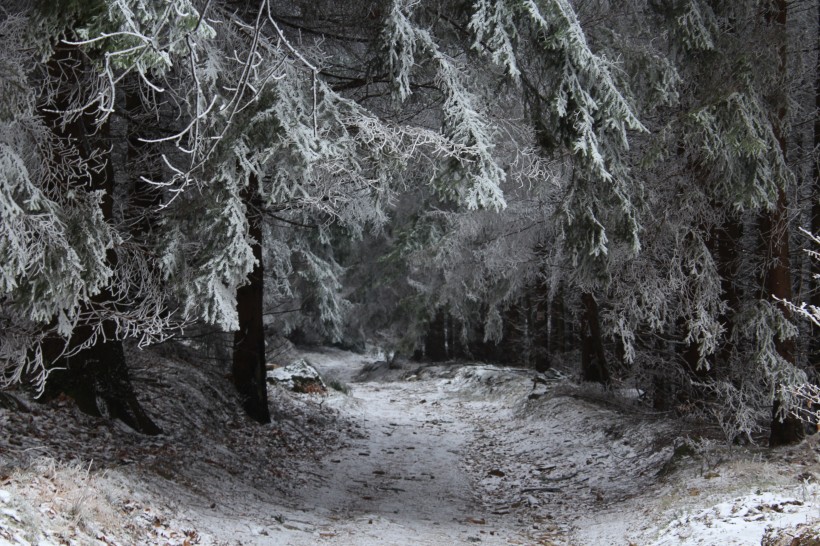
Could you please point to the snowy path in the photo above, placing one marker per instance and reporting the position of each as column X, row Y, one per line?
column 405, row 479
column 431, row 455
column 462, row 455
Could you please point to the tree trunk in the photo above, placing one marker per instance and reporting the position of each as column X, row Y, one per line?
column 454, row 345
column 97, row 379
column 593, row 358
column 540, row 327
column 249, row 372
column 143, row 197
column 558, row 323
column 661, row 392
column 98, row 373
column 728, row 239
column 778, row 284
column 775, row 229
column 814, row 342
column 435, row 343
column 512, row 349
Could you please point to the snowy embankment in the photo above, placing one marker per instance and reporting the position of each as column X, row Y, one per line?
column 417, row 455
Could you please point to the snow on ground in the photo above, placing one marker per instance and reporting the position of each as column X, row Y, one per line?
column 411, row 454
column 739, row 521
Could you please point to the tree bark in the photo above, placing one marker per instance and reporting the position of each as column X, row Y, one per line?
column 435, row 342
column 97, row 379
column 593, row 358
column 143, row 197
column 540, row 327
column 728, row 239
column 661, row 392
column 775, row 229
column 778, row 284
column 814, row 342
column 98, row 374
column 455, row 349
column 558, row 324
column 248, row 370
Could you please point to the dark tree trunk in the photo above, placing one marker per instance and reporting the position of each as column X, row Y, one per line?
column 540, row 328
column 728, row 239
column 97, row 379
column 661, row 392
column 814, row 342
column 558, row 335
column 435, row 343
column 775, row 229
column 512, row 349
column 98, row 374
column 143, row 196
column 454, row 345
column 450, row 338
column 778, row 284
column 690, row 353
column 686, row 391
column 249, row 375
column 593, row 359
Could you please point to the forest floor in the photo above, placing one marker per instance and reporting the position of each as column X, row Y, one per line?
column 421, row 455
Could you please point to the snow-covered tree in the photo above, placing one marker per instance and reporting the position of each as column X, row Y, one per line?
column 246, row 121
column 523, row 164
column 705, row 79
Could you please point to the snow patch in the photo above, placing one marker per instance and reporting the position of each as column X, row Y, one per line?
column 743, row 520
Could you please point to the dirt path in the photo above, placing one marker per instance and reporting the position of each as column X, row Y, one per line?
column 486, row 455
column 405, row 479
column 436, row 455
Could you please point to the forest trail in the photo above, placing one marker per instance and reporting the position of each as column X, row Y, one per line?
column 405, row 477
column 464, row 454
column 423, row 455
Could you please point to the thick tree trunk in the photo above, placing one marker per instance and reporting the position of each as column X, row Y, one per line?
column 512, row 349
column 98, row 374
column 538, row 326
column 143, row 196
column 249, row 375
column 690, row 353
column 814, row 342
column 698, row 372
column 778, row 284
column 775, row 228
column 435, row 343
column 455, row 347
column 593, row 359
column 541, row 330
column 661, row 392
column 97, row 379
